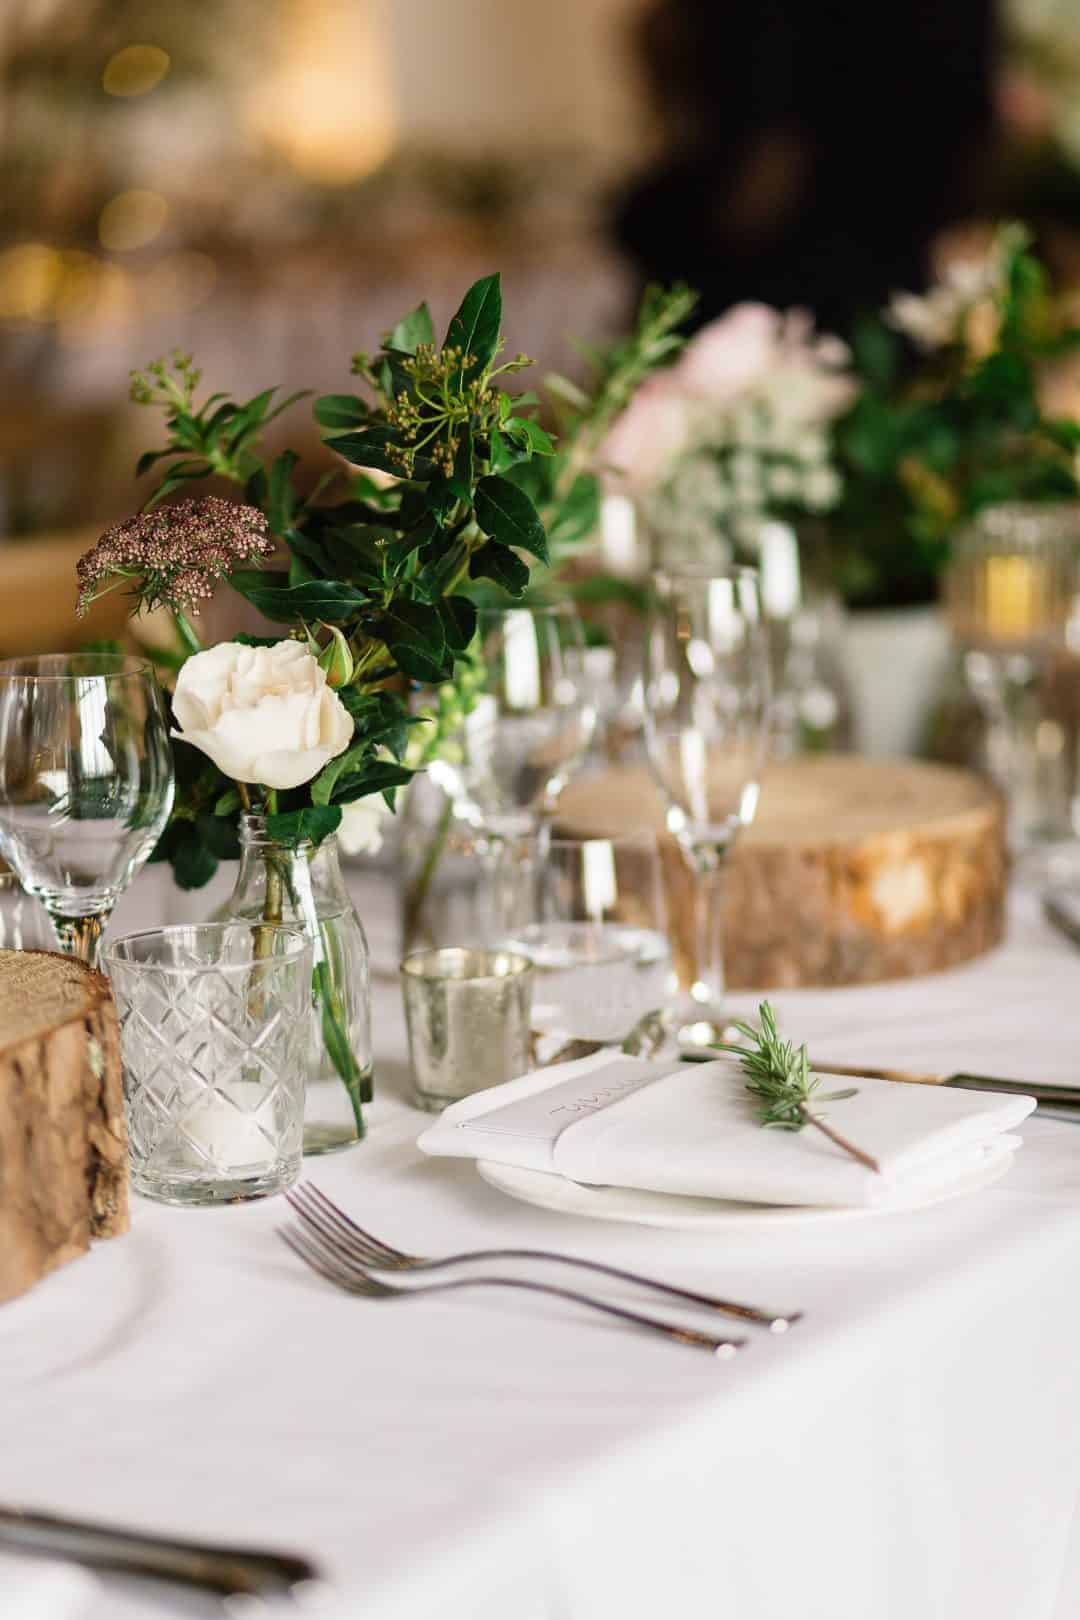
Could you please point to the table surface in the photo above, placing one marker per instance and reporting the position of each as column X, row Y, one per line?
column 908, row 1452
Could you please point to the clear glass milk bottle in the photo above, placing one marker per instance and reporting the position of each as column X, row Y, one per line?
column 305, row 886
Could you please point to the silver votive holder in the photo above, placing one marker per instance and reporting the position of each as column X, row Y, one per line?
column 468, row 1013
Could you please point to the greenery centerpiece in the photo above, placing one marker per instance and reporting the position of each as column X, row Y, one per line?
column 372, row 590
column 960, row 407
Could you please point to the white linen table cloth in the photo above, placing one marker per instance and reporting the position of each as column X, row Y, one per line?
column 910, row 1451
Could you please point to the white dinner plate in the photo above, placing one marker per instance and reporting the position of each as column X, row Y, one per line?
column 703, row 1214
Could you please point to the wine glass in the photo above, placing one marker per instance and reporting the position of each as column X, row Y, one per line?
column 528, row 731
column 706, row 734
column 86, row 783
column 599, row 944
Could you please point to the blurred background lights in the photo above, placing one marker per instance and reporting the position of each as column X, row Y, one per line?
column 326, row 106
column 131, row 220
column 30, row 275
column 135, row 70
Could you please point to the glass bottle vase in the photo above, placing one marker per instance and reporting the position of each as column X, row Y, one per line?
column 305, row 886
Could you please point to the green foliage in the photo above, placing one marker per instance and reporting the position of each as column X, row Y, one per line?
column 930, row 442
column 564, row 486
column 381, row 573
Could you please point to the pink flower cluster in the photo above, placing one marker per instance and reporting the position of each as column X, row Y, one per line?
column 752, row 356
column 177, row 553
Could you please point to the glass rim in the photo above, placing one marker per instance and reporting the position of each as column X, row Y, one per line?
column 701, row 572
column 564, row 605
column 125, row 665
column 640, row 834
column 518, row 965
column 112, row 951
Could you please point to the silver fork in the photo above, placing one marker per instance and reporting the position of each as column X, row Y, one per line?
column 330, row 1260
column 332, row 1223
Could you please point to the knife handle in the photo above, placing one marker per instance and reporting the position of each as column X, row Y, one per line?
column 226, row 1571
column 908, row 1076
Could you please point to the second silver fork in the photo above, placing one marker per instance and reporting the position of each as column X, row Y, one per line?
column 326, row 1256
column 324, row 1216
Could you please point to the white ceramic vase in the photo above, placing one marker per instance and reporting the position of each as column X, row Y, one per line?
column 896, row 660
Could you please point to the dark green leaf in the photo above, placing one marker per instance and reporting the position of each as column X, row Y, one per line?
column 503, row 454
column 475, row 327
column 193, row 863
column 380, row 717
column 459, row 621
column 442, row 564
column 181, row 472
column 328, row 599
column 340, row 412
column 460, row 482
column 367, row 448
column 323, row 785
column 280, row 498
column 411, row 331
column 219, row 835
column 147, row 460
column 503, row 566
column 507, row 515
column 230, row 801
column 531, row 434
column 313, row 824
column 413, row 631
column 378, row 776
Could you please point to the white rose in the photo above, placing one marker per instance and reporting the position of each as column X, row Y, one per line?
column 263, row 714
column 361, row 830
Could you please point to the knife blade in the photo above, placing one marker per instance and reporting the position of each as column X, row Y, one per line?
column 226, row 1571
column 1064, row 1097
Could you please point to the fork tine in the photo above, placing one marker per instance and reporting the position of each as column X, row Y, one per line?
column 327, row 1264
column 337, row 1231
column 378, row 1244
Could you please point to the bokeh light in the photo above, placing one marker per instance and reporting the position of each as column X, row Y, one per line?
column 30, row 275
column 135, row 70
column 131, row 220
column 327, row 107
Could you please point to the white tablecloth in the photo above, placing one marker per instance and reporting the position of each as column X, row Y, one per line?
column 911, row 1451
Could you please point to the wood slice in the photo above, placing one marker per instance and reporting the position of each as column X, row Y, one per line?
column 63, row 1143
column 854, row 870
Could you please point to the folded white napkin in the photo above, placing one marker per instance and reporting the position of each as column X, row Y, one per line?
column 42, row 1589
column 692, row 1129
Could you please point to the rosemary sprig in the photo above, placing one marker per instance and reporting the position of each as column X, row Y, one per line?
column 779, row 1078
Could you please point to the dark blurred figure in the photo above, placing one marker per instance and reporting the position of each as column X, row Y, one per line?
column 817, row 147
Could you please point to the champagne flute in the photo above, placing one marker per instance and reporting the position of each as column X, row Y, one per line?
column 526, row 735
column 86, row 783
column 706, row 734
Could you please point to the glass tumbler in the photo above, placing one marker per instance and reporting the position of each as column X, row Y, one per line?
column 213, row 1036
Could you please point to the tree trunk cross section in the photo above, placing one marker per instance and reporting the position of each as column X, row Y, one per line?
column 63, row 1142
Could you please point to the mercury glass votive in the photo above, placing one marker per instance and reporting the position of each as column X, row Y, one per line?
column 469, row 1017
column 213, row 1031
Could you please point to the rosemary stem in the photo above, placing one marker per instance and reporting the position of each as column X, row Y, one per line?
column 841, row 1141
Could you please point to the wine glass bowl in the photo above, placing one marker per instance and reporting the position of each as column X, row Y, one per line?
column 706, row 734
column 707, row 700
column 86, row 782
column 531, row 722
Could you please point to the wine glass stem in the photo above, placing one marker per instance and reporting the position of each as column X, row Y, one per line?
column 708, row 985
column 81, row 936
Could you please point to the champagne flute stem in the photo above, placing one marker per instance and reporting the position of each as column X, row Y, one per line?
column 81, row 936
column 708, row 986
